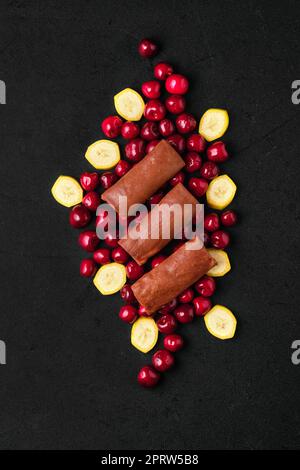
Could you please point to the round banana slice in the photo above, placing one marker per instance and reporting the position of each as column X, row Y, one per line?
column 220, row 322
column 67, row 191
column 129, row 104
column 223, row 264
column 213, row 124
column 103, row 154
column 110, row 278
column 220, row 192
column 144, row 334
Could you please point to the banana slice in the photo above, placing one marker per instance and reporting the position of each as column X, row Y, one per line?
column 129, row 104
column 220, row 192
column 144, row 334
column 213, row 124
column 110, row 278
column 223, row 264
column 220, row 322
column 67, row 191
column 103, row 154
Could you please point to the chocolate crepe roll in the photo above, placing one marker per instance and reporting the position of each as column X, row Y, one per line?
column 179, row 271
column 146, row 177
column 169, row 214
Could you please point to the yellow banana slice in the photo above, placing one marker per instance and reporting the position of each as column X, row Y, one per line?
column 67, row 191
column 144, row 334
column 223, row 264
column 103, row 154
column 220, row 192
column 220, row 322
column 129, row 104
column 110, row 278
column 213, row 124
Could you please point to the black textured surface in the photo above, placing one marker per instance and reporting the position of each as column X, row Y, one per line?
column 69, row 381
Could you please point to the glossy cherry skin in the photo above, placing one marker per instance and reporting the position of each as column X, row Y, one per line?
column 196, row 143
column 107, row 179
column 169, row 307
column 128, row 313
column 134, row 271
column 175, row 104
column 184, row 313
column 127, row 294
column 91, row 201
column 166, row 323
column 211, row 222
column 201, row 305
column 102, row 256
column 122, row 168
column 217, row 152
column 228, row 218
column 147, row 48
column 79, row 216
column 193, row 162
column 111, row 241
column 177, row 141
column 185, row 123
column 111, row 126
column 186, row 296
column 89, row 181
column 151, row 89
column 178, row 178
column 154, row 110
column 148, row 377
column 87, row 268
column 198, row 186
column 177, row 84
column 88, row 240
column 162, row 360
column 206, row 286
column 135, row 150
column 142, row 311
column 220, row 239
column 162, row 70
column 151, row 145
column 130, row 130
column 209, row 170
column 119, row 255
column 156, row 198
column 166, row 127
column 149, row 131
column 157, row 260
column 173, row 343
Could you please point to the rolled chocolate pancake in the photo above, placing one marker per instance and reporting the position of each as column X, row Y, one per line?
column 179, row 271
column 146, row 177
column 168, row 213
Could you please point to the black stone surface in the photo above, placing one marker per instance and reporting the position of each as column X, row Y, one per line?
column 70, row 377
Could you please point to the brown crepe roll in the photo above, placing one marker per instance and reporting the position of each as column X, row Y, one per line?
column 140, row 249
column 146, row 177
column 179, row 271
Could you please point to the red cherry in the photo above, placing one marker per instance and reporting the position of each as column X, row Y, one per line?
column 217, row 152
column 193, row 162
column 211, row 222
column 151, row 145
column 177, row 141
column 91, row 201
column 87, row 268
column 186, row 296
column 154, row 110
column 185, row 123
column 166, row 127
column 149, row 131
column 119, row 255
column 173, row 343
column 122, row 168
column 130, row 130
column 177, row 84
column 107, row 179
column 175, row 104
column 89, row 181
column 88, row 240
column 148, row 377
column 157, row 260
column 147, row 48
column 198, row 186
column 127, row 294
column 142, row 311
column 79, row 216
column 128, row 313
column 135, row 150
column 206, row 239
column 155, row 198
column 201, row 305
column 209, row 170
column 178, row 178
column 206, row 286
column 184, row 313
column 196, row 143
column 162, row 360
column 111, row 241
column 162, row 70
column 220, row 239
column 134, row 271
column 151, row 89
column 111, row 126
column 169, row 307
column 102, row 256
column 166, row 323
column 229, row 218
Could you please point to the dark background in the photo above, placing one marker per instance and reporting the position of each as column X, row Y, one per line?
column 70, row 378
